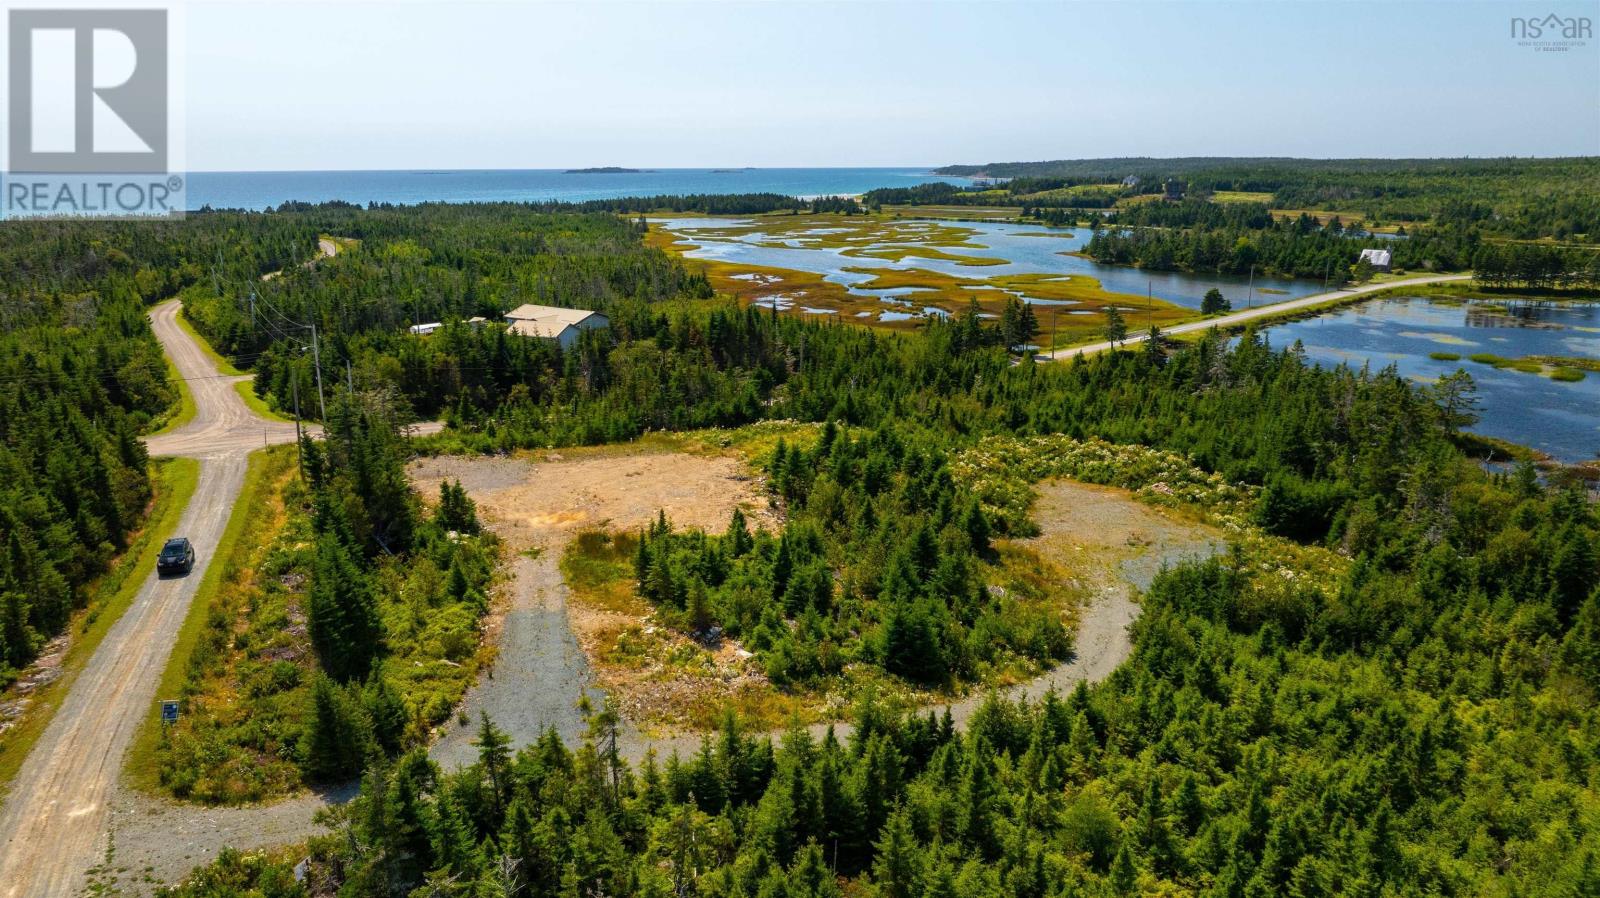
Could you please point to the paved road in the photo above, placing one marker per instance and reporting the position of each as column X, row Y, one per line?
column 1248, row 315
column 52, row 827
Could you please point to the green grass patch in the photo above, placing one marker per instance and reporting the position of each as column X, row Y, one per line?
column 183, row 412
column 1240, row 196
column 141, row 769
column 1445, row 356
column 258, row 405
column 173, row 481
column 224, row 367
column 1558, row 368
column 598, row 559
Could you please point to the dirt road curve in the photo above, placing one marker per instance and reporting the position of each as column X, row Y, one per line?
column 1248, row 315
column 53, row 825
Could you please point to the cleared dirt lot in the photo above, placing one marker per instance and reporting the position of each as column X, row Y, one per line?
column 538, row 506
column 1112, row 544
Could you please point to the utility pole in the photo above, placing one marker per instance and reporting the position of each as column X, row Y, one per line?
column 299, row 451
column 1250, row 297
column 349, row 376
column 316, row 359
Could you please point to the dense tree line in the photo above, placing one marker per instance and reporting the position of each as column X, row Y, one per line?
column 1537, row 267
column 1292, row 247
column 1523, row 193
column 366, row 527
column 1511, row 198
column 1429, row 728
column 81, row 376
column 705, row 203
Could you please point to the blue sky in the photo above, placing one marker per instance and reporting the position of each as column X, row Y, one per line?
column 500, row 85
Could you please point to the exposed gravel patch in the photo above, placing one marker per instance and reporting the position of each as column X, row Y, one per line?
column 540, row 673
column 477, row 474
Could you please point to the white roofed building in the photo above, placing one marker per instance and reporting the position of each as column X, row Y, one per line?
column 553, row 323
column 1377, row 258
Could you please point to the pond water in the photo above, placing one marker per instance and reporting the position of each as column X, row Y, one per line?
column 1561, row 419
column 1026, row 249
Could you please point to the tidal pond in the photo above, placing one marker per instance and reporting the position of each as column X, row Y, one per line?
column 1418, row 336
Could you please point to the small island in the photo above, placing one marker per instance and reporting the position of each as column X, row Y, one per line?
column 605, row 170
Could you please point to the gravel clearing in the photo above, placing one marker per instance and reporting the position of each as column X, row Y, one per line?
column 540, row 672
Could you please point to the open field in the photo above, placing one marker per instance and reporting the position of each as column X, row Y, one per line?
column 1240, row 196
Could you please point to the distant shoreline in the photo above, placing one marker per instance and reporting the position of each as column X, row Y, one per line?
column 606, row 170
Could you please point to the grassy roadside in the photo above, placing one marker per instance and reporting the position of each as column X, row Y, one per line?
column 185, row 411
column 257, row 404
column 224, row 367
column 140, row 769
column 174, row 481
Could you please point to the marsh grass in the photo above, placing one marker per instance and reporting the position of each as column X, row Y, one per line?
column 1070, row 310
column 1557, row 368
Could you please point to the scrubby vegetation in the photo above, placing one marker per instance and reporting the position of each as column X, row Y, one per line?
column 344, row 628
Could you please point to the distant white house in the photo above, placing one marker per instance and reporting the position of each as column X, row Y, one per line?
column 553, row 323
column 1377, row 258
column 425, row 329
column 1130, row 181
column 476, row 322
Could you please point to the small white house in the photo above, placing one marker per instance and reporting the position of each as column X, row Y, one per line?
column 553, row 323
column 1377, row 258
column 423, row 330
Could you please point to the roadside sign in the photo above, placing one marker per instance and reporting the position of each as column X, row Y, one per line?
column 169, row 712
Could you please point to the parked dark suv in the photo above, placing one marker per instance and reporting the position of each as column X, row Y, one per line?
column 177, row 557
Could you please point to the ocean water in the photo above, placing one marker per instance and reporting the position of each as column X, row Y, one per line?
column 262, row 190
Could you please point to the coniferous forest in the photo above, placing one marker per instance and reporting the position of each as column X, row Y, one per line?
column 1423, row 723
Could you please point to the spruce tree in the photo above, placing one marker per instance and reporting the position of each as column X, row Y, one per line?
column 342, row 615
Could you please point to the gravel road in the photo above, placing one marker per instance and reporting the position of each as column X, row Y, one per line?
column 54, row 823
column 1248, row 315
